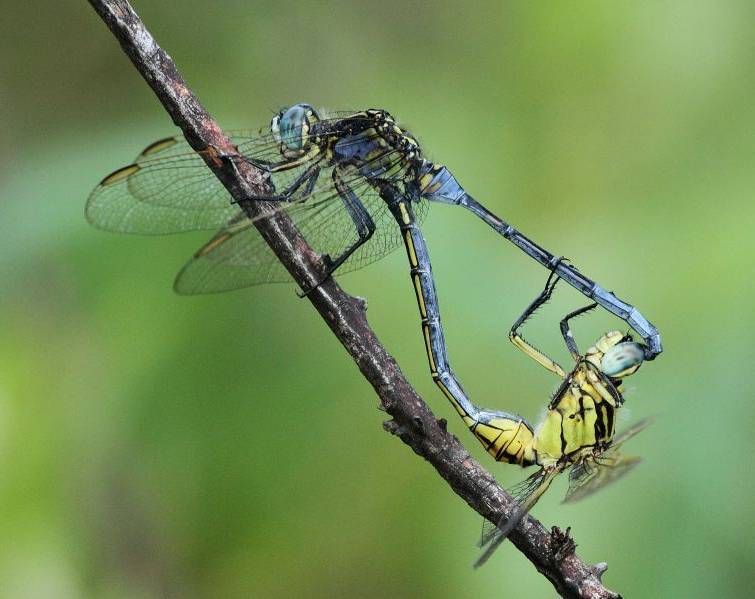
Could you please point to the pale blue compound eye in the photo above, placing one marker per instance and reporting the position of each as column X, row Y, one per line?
column 291, row 127
column 622, row 359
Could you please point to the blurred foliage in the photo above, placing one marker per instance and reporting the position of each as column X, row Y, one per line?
column 225, row 446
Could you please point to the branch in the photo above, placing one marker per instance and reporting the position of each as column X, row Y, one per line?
column 412, row 420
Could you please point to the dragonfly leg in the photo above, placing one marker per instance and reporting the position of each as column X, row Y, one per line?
column 361, row 218
column 285, row 164
column 363, row 223
column 520, row 342
column 570, row 274
column 505, row 436
column 305, row 182
column 566, row 330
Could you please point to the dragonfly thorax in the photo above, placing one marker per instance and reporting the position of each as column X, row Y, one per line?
column 580, row 418
column 395, row 136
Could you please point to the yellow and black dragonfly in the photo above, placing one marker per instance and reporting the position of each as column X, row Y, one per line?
column 346, row 181
column 576, row 433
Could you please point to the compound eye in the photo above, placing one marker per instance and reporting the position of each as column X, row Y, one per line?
column 294, row 126
column 622, row 359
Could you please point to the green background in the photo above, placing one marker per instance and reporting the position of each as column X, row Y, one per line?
column 226, row 446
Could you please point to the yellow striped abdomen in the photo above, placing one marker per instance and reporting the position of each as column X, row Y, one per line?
column 507, row 440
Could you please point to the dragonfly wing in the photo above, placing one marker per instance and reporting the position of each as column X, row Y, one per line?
column 593, row 474
column 168, row 189
column 627, row 434
column 237, row 256
column 525, row 495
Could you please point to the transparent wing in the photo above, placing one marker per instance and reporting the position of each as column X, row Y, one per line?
column 239, row 257
column 593, row 474
column 236, row 257
column 169, row 189
column 525, row 495
column 622, row 438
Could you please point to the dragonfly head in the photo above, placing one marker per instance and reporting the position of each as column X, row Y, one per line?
column 617, row 355
column 291, row 127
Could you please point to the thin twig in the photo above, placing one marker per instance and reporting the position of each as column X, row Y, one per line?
column 412, row 420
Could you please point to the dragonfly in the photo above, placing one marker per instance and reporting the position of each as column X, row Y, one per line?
column 355, row 184
column 577, row 432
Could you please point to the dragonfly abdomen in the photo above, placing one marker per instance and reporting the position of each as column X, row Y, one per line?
column 508, row 438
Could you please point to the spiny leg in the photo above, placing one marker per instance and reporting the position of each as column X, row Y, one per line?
column 520, row 342
column 571, row 344
column 543, row 297
column 566, row 333
column 286, row 163
column 305, row 180
column 360, row 217
column 507, row 437
column 302, row 185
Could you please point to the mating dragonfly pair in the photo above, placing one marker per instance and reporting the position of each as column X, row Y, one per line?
column 356, row 186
